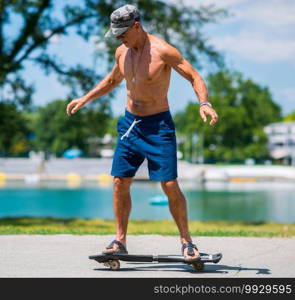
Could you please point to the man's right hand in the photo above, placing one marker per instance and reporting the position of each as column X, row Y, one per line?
column 75, row 105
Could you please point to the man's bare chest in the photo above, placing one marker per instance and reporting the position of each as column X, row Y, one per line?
column 144, row 67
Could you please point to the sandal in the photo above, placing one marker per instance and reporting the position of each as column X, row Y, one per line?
column 121, row 250
column 190, row 246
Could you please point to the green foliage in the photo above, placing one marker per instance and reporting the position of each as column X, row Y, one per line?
column 112, row 126
column 290, row 117
column 56, row 131
column 13, row 130
column 39, row 22
column 244, row 108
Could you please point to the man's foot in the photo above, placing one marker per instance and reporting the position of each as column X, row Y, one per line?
column 190, row 251
column 115, row 247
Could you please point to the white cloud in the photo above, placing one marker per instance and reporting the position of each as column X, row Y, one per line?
column 257, row 47
column 261, row 31
column 266, row 13
column 274, row 13
column 217, row 3
column 271, row 12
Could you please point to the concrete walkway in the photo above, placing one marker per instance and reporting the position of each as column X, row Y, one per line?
column 67, row 256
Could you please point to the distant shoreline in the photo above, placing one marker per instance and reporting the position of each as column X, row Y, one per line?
column 93, row 169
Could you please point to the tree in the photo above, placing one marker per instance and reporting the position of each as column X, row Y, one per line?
column 112, row 126
column 244, row 108
column 55, row 133
column 178, row 24
column 290, row 117
column 39, row 22
column 13, row 131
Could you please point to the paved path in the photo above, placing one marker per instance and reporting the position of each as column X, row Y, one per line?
column 67, row 256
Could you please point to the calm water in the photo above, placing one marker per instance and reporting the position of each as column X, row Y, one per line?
column 236, row 202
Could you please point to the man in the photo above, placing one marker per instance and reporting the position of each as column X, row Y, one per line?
column 147, row 129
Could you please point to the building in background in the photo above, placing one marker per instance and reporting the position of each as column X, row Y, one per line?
column 281, row 141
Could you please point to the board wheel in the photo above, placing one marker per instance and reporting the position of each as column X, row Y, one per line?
column 114, row 264
column 198, row 266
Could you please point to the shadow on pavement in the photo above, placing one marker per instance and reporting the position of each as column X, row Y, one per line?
column 209, row 268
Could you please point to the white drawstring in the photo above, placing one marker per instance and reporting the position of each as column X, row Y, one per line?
column 130, row 128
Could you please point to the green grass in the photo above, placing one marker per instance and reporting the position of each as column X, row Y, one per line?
column 165, row 227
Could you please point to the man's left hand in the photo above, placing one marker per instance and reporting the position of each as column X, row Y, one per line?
column 208, row 110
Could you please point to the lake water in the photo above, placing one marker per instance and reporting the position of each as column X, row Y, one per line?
column 253, row 202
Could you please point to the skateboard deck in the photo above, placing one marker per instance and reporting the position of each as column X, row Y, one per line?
column 113, row 260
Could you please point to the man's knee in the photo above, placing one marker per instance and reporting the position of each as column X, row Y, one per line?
column 169, row 185
column 122, row 183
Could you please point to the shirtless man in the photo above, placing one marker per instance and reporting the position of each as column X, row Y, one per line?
column 147, row 129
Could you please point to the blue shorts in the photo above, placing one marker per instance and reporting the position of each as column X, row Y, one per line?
column 151, row 137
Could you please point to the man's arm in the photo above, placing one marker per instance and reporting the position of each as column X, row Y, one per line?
column 172, row 57
column 105, row 86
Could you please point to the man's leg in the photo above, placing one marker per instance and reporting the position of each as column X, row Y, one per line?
column 122, row 208
column 177, row 206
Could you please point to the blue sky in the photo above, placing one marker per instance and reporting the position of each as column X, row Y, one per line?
column 258, row 39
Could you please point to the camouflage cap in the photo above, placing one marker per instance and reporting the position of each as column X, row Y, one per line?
column 121, row 19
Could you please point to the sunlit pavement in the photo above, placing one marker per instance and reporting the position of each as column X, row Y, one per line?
column 67, row 256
